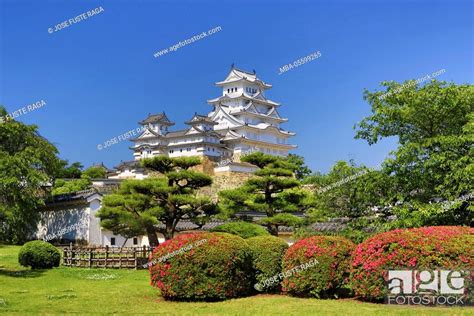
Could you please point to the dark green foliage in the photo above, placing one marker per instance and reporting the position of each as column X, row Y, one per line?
column 73, row 171
column 202, row 267
column 301, row 170
column 355, row 231
column 95, row 172
column 39, row 254
column 140, row 206
column 348, row 190
column 75, row 184
column 267, row 253
column 273, row 191
column 242, row 229
column 69, row 186
column 27, row 162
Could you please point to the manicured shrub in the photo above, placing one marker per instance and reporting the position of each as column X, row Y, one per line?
column 202, row 266
column 242, row 229
column 267, row 253
column 39, row 254
column 327, row 276
column 428, row 248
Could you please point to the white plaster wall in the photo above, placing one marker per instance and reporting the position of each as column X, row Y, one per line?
column 95, row 231
column 52, row 222
column 262, row 108
column 119, row 240
column 184, row 153
column 235, row 168
column 129, row 174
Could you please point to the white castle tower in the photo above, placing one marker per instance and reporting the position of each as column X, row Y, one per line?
column 248, row 120
column 242, row 120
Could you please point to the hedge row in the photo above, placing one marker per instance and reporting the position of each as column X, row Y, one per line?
column 227, row 266
column 217, row 266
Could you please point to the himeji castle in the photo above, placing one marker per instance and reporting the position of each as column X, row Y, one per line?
column 242, row 120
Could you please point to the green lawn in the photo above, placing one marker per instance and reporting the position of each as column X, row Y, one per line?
column 99, row 291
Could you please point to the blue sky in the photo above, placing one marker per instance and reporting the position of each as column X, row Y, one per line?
column 98, row 77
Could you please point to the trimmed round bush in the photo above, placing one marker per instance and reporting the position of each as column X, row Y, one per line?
column 202, row 266
column 267, row 254
column 242, row 229
column 39, row 254
column 429, row 248
column 317, row 266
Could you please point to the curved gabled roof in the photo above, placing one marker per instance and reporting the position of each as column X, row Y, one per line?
column 263, row 126
column 144, row 136
column 252, row 110
column 236, row 75
column 229, row 116
column 201, row 119
column 230, row 134
column 157, row 118
column 146, row 146
column 128, row 164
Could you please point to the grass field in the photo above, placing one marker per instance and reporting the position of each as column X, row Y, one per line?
column 98, row 291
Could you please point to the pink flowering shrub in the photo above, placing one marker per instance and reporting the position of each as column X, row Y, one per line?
column 327, row 276
column 429, row 248
column 202, row 266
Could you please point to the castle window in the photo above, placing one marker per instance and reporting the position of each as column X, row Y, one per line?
column 135, row 240
column 112, row 241
column 171, row 151
column 181, row 150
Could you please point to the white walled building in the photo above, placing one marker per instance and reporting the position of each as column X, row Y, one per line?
column 241, row 120
column 72, row 218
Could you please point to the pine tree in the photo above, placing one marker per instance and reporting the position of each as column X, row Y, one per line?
column 157, row 204
column 273, row 190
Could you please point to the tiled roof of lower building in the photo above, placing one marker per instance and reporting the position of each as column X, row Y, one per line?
column 333, row 225
column 79, row 196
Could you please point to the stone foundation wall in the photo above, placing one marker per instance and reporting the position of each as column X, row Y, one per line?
column 224, row 181
column 207, row 165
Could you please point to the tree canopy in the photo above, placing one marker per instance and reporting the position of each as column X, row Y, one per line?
column 95, row 172
column 70, row 185
column 72, row 171
column 28, row 162
column 434, row 125
column 273, row 190
column 427, row 180
column 157, row 204
column 301, row 169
